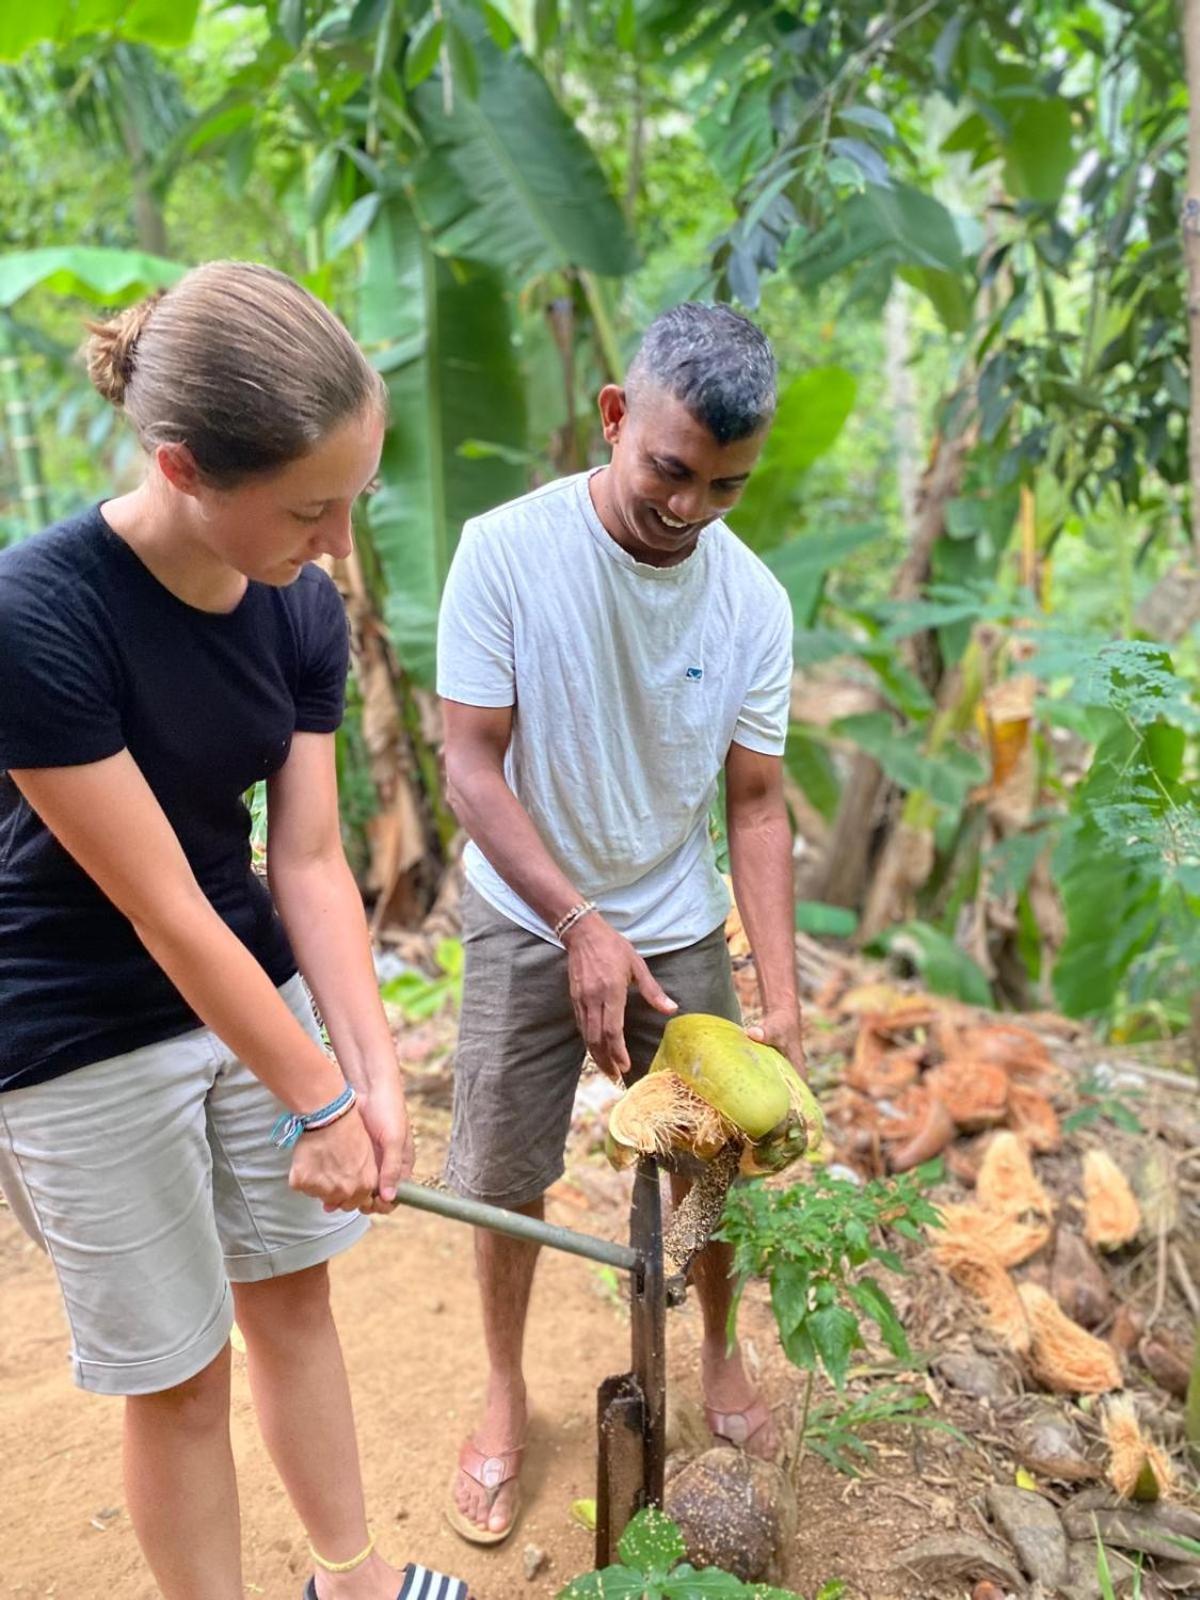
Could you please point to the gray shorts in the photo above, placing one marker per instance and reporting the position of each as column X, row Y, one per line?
column 520, row 1052
column 151, row 1182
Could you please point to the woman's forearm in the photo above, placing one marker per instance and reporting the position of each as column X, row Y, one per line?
column 231, row 993
column 322, row 911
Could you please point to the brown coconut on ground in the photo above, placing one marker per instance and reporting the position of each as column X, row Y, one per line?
column 735, row 1512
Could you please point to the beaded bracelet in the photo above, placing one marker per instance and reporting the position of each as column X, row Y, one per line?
column 576, row 914
column 292, row 1124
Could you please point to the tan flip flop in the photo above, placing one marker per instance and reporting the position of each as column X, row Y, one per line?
column 491, row 1473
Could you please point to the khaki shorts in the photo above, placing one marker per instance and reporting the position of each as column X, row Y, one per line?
column 519, row 1050
column 151, row 1182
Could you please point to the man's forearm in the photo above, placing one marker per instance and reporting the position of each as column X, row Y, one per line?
column 503, row 829
column 760, row 855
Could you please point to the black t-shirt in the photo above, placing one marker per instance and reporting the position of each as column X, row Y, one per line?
column 96, row 656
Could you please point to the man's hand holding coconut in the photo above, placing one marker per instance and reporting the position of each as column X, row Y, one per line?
column 607, row 650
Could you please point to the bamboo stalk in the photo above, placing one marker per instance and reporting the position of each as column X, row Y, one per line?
column 22, row 432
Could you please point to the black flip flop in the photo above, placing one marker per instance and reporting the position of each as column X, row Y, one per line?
column 420, row 1583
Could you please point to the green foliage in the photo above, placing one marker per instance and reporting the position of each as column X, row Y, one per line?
column 102, row 277
column 161, row 22
column 943, row 967
column 419, row 997
column 439, row 332
column 652, row 1568
column 1100, row 1100
column 507, row 179
column 837, row 1432
column 812, row 412
column 810, row 1243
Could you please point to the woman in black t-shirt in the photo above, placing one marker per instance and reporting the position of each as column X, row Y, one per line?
column 172, row 1128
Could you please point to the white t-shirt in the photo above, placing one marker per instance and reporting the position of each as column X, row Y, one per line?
column 630, row 682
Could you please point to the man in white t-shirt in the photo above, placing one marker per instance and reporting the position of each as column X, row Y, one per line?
column 607, row 649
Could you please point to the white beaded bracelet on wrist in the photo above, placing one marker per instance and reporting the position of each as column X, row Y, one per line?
column 576, row 914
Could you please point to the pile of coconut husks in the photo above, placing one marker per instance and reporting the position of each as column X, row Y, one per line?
column 1069, row 1193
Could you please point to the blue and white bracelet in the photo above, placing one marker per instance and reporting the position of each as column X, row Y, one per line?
column 292, row 1124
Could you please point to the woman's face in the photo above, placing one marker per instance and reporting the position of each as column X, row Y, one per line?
column 268, row 526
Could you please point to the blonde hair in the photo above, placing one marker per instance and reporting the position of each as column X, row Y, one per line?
column 236, row 361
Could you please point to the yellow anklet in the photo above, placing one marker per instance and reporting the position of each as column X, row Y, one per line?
column 343, row 1566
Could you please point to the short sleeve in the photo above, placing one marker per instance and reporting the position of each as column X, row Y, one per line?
column 60, row 696
column 762, row 723
column 476, row 664
column 324, row 657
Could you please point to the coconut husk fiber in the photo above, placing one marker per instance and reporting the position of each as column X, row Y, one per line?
column 1112, row 1215
column 1062, row 1356
column 1006, row 1181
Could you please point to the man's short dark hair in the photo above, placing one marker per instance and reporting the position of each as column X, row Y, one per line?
column 712, row 360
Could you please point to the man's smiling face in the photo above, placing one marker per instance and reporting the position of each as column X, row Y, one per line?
column 669, row 477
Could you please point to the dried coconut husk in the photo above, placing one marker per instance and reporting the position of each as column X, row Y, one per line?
column 1167, row 1362
column 1006, row 1181
column 855, row 1121
column 975, row 1093
column 974, row 1267
column 927, row 1137
column 1078, row 1282
column 1062, row 1356
column 1009, row 1240
column 1020, row 1053
column 884, row 999
column 878, row 1071
column 1112, row 1215
column 1032, row 1116
column 1138, row 1468
column 901, row 1115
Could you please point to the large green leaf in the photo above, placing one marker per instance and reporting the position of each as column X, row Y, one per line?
column 1038, row 148
column 811, row 414
column 944, row 968
column 900, row 224
column 104, row 277
column 440, row 333
column 509, row 180
column 801, row 564
column 946, row 776
column 162, row 22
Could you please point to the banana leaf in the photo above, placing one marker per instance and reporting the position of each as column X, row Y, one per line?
column 439, row 331
column 103, row 277
column 508, row 179
column 161, row 22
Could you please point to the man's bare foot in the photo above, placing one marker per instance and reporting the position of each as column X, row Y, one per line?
column 729, row 1391
column 501, row 1431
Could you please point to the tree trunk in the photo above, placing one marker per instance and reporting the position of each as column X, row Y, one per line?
column 405, row 849
column 147, row 212
column 902, row 398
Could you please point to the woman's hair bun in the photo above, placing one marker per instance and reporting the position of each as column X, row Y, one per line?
column 112, row 348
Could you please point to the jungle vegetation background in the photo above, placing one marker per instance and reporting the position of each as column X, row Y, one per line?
column 964, row 224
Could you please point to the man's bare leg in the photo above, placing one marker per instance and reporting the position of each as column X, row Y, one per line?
column 723, row 1377
column 505, row 1269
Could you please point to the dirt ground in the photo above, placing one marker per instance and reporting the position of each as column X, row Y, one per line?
column 409, row 1320
column 410, row 1325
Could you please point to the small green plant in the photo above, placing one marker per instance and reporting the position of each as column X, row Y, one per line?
column 420, row 997
column 1104, row 1575
column 835, row 1432
column 1104, row 1099
column 809, row 1242
column 652, row 1567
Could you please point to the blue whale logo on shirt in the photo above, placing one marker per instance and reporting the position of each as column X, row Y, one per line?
column 694, row 674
